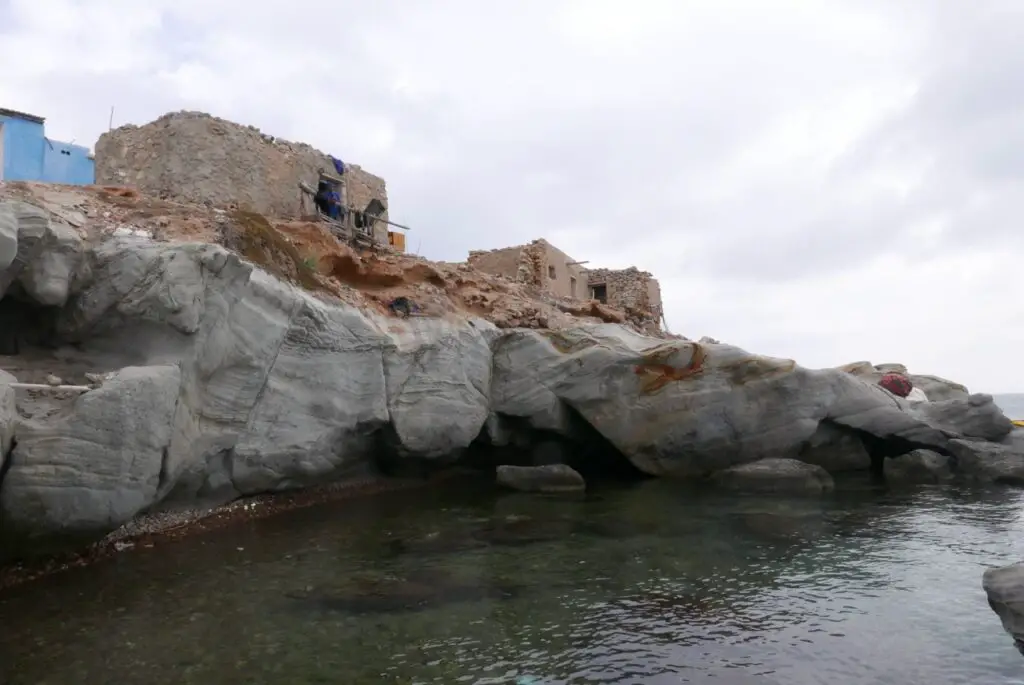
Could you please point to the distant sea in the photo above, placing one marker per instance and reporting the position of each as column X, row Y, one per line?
column 1012, row 404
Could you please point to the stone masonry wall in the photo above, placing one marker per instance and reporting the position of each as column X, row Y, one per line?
column 534, row 263
column 566, row 275
column 503, row 262
column 629, row 289
column 197, row 158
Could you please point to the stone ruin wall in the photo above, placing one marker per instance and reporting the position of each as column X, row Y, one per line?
column 530, row 264
column 629, row 289
column 197, row 158
column 503, row 262
column 565, row 273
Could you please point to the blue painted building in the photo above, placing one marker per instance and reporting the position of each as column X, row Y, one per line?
column 26, row 154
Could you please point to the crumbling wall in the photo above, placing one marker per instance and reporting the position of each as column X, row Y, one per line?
column 197, row 158
column 532, row 263
column 629, row 289
column 502, row 262
column 538, row 263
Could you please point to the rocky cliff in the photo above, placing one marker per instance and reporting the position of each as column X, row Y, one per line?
column 208, row 378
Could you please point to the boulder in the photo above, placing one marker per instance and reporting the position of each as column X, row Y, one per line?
column 679, row 408
column 918, row 467
column 939, row 389
column 775, row 475
column 438, row 374
column 989, row 462
column 88, row 470
column 1004, row 587
column 977, row 416
column 551, row 478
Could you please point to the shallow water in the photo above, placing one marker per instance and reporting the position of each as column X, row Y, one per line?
column 645, row 584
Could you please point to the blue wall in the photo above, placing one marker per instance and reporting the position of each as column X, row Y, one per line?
column 66, row 163
column 29, row 156
column 23, row 149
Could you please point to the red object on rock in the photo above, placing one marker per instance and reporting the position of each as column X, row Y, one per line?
column 897, row 384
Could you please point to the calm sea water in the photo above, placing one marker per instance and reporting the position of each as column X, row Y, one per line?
column 643, row 584
column 1012, row 405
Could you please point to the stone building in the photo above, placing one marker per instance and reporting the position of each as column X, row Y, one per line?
column 626, row 289
column 538, row 263
column 198, row 158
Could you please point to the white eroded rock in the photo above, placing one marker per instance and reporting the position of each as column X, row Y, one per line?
column 438, row 374
column 989, row 462
column 33, row 227
column 53, row 275
column 91, row 469
column 1004, row 587
column 683, row 409
column 8, row 414
column 8, row 236
column 276, row 388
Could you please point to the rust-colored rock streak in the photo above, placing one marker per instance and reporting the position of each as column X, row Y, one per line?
column 655, row 372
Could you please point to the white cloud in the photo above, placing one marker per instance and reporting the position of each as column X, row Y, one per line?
column 827, row 181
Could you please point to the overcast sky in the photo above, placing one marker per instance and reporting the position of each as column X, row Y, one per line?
column 830, row 180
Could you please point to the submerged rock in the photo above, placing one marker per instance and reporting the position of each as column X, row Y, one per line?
column 775, row 475
column 918, row 467
column 1004, row 587
column 548, row 478
column 516, row 532
column 422, row 590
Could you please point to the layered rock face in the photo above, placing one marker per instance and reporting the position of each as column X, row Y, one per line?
column 222, row 381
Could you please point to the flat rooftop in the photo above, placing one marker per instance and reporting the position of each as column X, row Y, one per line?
column 15, row 114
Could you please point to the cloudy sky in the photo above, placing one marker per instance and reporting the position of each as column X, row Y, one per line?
column 829, row 180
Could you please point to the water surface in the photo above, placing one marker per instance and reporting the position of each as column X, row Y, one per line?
column 645, row 584
column 1012, row 404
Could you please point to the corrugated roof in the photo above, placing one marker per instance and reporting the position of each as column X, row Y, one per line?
column 21, row 115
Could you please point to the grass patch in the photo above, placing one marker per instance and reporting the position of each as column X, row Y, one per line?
column 259, row 242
